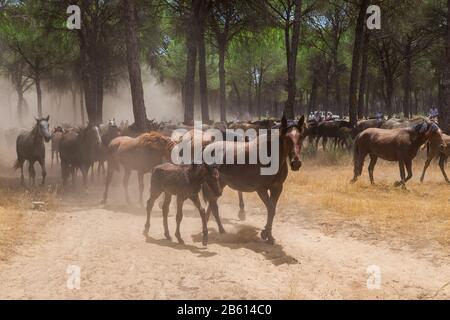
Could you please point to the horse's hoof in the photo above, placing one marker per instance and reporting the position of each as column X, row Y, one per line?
column 271, row 240
column 168, row 237
column 241, row 215
column 205, row 242
column 180, row 241
column 397, row 183
column 264, row 235
column 352, row 181
column 222, row 230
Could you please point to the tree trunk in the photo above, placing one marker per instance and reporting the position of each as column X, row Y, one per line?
column 222, row 93
column 362, row 84
column 407, row 81
column 359, row 30
column 83, row 122
column 74, row 104
column 313, row 96
column 249, row 97
column 291, row 51
column 444, row 108
column 238, row 96
column 389, row 95
column 39, row 95
column 189, row 81
column 201, row 47
column 134, row 69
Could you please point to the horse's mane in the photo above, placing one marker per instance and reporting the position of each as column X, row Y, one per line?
column 155, row 140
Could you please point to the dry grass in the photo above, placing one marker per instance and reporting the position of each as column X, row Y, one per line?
column 420, row 213
column 18, row 221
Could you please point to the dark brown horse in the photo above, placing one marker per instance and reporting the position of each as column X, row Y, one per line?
column 248, row 178
column 139, row 154
column 78, row 149
column 434, row 149
column 400, row 145
column 30, row 147
column 183, row 181
column 57, row 134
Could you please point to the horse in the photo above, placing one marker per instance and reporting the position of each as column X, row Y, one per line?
column 139, row 154
column 330, row 129
column 183, row 181
column 30, row 147
column 107, row 132
column 400, row 145
column 78, row 148
column 248, row 178
column 57, row 134
column 204, row 139
column 434, row 149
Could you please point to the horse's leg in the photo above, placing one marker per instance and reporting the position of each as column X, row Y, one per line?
column 22, row 178
column 44, row 171
column 270, row 202
column 373, row 162
column 31, row 172
column 140, row 176
column 430, row 157
column 195, row 199
column 401, row 166
column 165, row 210
column 180, row 201
column 408, row 165
column 53, row 154
column 241, row 207
column 442, row 161
column 92, row 171
column 109, row 176
column 214, row 208
column 126, row 178
column 154, row 194
column 85, row 174
column 324, row 142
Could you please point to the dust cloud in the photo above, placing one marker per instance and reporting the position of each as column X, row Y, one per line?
column 163, row 103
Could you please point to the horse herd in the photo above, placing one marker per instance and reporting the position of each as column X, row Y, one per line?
column 81, row 147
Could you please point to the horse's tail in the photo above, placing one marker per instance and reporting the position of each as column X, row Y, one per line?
column 16, row 165
column 356, row 149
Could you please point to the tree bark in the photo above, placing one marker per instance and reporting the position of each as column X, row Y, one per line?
column 37, row 81
column 362, row 84
column 189, row 81
column 134, row 68
column 83, row 121
column 291, row 51
column 444, row 110
column 359, row 30
column 407, row 81
column 222, row 91
column 201, row 11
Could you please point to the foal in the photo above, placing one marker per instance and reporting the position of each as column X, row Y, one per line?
column 183, row 181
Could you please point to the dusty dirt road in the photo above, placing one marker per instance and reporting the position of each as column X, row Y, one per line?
column 313, row 257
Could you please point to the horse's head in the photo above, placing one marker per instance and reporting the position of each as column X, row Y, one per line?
column 92, row 135
column 212, row 179
column 291, row 138
column 428, row 130
column 44, row 128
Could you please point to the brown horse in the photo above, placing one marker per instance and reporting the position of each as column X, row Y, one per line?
column 78, row 149
column 57, row 134
column 248, row 178
column 30, row 147
column 183, row 181
column 434, row 149
column 139, row 154
column 401, row 145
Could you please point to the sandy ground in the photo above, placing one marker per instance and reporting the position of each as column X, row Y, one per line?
column 313, row 258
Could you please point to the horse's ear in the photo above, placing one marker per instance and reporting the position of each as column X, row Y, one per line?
column 300, row 122
column 48, row 118
column 37, row 120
